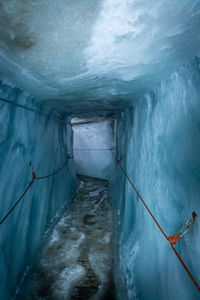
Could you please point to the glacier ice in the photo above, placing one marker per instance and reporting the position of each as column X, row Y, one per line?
column 95, row 50
column 136, row 60
column 160, row 152
column 27, row 136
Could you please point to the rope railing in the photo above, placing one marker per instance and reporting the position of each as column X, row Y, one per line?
column 133, row 186
column 52, row 174
column 172, row 239
column 16, row 203
column 34, row 110
column 93, row 149
column 34, row 178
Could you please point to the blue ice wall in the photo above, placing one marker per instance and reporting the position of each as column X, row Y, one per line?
column 27, row 136
column 162, row 158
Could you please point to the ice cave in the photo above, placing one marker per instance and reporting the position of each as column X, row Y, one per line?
column 100, row 149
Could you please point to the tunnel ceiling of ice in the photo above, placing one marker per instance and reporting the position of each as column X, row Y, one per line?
column 103, row 53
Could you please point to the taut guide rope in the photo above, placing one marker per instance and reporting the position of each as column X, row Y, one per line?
column 34, row 177
column 172, row 239
column 30, row 109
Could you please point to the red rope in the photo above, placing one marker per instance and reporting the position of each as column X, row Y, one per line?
column 52, row 174
column 185, row 267
column 33, row 179
column 16, row 202
column 85, row 149
column 118, row 161
column 164, row 234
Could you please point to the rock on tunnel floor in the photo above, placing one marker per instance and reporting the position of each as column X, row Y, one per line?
column 77, row 260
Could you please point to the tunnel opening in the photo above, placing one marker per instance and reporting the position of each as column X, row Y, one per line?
column 120, row 77
column 120, row 132
column 91, row 144
column 77, row 259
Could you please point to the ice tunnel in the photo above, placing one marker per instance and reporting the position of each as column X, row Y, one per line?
column 99, row 149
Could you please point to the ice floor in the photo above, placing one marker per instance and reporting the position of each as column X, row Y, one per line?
column 77, row 261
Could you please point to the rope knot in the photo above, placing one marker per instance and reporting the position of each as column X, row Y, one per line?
column 119, row 160
column 33, row 173
column 173, row 239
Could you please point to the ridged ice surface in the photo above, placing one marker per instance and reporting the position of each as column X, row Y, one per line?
column 99, row 50
column 162, row 159
column 98, row 57
column 26, row 136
